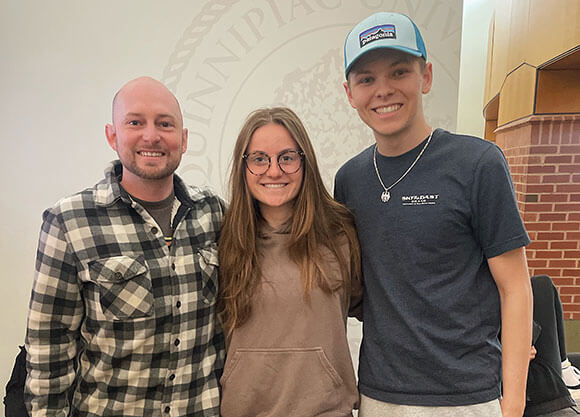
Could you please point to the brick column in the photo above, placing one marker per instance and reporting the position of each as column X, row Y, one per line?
column 544, row 157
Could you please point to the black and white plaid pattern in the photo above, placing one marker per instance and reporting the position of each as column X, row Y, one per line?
column 139, row 315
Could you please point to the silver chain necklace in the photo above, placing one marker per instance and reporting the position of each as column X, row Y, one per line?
column 386, row 195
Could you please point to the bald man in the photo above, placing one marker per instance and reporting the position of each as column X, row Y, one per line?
column 122, row 315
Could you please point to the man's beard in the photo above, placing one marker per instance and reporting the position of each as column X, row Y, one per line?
column 153, row 173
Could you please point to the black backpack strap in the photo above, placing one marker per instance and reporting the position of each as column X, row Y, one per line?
column 14, row 399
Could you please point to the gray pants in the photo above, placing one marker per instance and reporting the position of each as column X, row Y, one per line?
column 373, row 408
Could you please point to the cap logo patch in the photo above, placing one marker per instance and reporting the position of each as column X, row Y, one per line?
column 377, row 33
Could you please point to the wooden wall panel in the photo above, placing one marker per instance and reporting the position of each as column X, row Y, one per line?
column 517, row 97
column 558, row 91
column 530, row 32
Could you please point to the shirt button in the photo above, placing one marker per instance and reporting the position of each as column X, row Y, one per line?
column 178, row 304
column 154, row 230
column 173, row 266
column 176, row 343
column 167, row 409
column 118, row 276
column 171, row 377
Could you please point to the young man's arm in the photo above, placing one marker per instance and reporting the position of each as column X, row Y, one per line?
column 510, row 272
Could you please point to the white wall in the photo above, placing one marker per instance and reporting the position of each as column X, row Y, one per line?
column 62, row 61
column 476, row 19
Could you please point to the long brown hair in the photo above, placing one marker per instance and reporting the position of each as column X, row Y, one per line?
column 316, row 223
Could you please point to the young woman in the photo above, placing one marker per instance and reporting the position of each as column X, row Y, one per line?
column 289, row 274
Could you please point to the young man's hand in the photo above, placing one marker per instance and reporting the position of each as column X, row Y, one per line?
column 511, row 410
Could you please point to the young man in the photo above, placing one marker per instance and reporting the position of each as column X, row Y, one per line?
column 442, row 244
column 122, row 314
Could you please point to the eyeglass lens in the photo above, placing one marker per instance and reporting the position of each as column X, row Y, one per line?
column 288, row 161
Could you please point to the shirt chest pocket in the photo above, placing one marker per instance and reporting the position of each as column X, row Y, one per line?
column 124, row 286
column 208, row 264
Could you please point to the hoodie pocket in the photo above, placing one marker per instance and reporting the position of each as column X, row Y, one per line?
column 278, row 380
column 124, row 286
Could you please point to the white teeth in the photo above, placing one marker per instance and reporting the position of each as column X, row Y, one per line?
column 388, row 109
column 274, row 185
column 142, row 153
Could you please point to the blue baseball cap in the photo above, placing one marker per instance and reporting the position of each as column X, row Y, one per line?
column 383, row 30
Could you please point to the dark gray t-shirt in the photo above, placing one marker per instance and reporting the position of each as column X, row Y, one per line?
column 431, row 307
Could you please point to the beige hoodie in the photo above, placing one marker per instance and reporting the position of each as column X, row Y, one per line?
column 291, row 358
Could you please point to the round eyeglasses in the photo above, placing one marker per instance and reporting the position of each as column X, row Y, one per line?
column 289, row 161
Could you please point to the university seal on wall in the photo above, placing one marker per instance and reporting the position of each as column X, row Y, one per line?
column 239, row 55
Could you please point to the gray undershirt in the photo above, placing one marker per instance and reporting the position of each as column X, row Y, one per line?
column 161, row 213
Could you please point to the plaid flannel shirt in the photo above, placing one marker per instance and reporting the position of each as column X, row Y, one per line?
column 135, row 317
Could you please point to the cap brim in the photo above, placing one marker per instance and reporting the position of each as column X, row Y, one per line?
column 376, row 47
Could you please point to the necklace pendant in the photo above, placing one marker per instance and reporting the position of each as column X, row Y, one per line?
column 385, row 196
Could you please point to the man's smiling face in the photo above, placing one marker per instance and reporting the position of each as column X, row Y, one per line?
column 386, row 88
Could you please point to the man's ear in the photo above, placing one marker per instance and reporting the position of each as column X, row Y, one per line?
column 348, row 94
column 111, row 135
column 427, row 78
column 184, row 136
